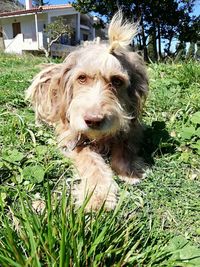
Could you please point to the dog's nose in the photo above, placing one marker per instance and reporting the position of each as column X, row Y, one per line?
column 94, row 120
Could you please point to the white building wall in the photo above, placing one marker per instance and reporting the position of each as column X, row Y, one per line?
column 28, row 27
column 15, row 45
column 63, row 12
column 27, row 39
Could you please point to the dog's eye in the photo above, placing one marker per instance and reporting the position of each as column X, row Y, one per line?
column 117, row 81
column 82, row 79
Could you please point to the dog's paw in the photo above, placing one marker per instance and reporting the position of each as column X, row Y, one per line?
column 97, row 200
column 99, row 196
column 130, row 180
column 133, row 179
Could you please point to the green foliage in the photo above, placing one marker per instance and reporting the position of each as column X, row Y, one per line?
column 179, row 85
column 55, row 30
column 184, row 253
column 64, row 236
column 155, row 223
column 190, row 132
column 189, row 30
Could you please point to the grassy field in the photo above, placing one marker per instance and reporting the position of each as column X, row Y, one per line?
column 156, row 223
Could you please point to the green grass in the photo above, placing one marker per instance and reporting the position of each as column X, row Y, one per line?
column 156, row 223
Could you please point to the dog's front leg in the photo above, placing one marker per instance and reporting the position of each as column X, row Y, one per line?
column 96, row 179
column 126, row 163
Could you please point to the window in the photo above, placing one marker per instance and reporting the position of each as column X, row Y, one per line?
column 16, row 28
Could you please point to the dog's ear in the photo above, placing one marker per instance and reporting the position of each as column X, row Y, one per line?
column 47, row 90
column 138, row 88
column 44, row 93
column 121, row 33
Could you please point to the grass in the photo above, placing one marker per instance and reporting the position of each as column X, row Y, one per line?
column 156, row 223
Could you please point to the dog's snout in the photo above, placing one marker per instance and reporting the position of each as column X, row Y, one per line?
column 94, row 120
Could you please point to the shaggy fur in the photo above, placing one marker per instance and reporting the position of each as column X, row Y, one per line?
column 94, row 100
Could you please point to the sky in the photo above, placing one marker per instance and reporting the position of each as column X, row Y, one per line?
column 196, row 10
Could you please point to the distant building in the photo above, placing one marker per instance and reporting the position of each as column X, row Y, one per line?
column 23, row 30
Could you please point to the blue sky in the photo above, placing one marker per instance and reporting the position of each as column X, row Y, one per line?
column 196, row 10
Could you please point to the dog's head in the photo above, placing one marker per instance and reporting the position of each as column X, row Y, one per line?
column 98, row 90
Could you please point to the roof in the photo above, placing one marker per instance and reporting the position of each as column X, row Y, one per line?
column 34, row 10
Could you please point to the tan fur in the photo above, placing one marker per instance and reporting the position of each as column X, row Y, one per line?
column 120, row 32
column 94, row 100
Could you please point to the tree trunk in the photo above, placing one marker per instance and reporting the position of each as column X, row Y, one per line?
column 140, row 42
column 144, row 42
column 159, row 42
column 169, row 45
column 154, row 42
column 46, row 53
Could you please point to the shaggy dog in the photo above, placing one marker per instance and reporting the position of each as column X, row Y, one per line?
column 94, row 99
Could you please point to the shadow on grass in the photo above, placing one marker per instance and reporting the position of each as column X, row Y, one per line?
column 157, row 141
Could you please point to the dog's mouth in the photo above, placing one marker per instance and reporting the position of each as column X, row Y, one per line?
column 101, row 126
column 96, row 124
column 95, row 127
column 91, row 132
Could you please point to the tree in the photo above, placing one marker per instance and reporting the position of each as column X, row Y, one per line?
column 152, row 54
column 10, row 5
column 54, row 32
column 190, row 30
column 160, row 19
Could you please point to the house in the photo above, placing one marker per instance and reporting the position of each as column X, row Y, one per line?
column 23, row 30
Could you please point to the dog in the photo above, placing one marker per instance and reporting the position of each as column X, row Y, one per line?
column 94, row 101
